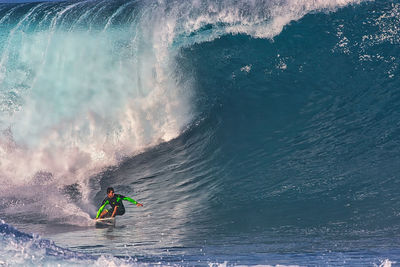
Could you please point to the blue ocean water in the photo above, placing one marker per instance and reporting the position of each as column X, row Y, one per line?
column 254, row 132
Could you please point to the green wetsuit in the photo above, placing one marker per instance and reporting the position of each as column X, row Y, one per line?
column 115, row 201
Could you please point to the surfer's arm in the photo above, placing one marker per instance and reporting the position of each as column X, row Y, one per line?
column 101, row 209
column 133, row 201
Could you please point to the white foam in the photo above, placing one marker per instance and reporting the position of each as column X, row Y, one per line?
column 39, row 252
column 225, row 263
column 89, row 102
column 260, row 19
column 246, row 68
column 386, row 263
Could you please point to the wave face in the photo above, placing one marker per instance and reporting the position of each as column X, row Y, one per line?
column 258, row 124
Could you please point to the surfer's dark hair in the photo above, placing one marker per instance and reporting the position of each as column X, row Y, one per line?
column 110, row 189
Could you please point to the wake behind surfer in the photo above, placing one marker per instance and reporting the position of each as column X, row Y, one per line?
column 115, row 201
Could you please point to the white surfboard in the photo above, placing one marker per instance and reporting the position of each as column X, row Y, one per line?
column 105, row 222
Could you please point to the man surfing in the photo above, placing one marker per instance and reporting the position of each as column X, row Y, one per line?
column 115, row 201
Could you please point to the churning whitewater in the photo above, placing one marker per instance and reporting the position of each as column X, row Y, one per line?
column 254, row 132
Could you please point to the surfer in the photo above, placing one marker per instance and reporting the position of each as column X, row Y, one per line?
column 115, row 201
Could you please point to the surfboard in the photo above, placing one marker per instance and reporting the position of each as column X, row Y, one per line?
column 105, row 222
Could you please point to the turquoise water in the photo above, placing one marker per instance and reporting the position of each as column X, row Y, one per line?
column 254, row 133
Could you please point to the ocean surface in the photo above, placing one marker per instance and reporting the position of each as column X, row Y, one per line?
column 254, row 132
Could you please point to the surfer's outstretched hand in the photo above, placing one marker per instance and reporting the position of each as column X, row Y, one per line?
column 139, row 204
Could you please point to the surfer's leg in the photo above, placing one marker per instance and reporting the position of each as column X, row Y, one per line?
column 108, row 214
column 104, row 213
column 120, row 211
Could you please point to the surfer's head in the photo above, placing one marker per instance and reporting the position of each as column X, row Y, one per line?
column 110, row 192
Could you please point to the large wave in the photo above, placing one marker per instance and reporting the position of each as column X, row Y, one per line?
column 86, row 84
column 249, row 125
